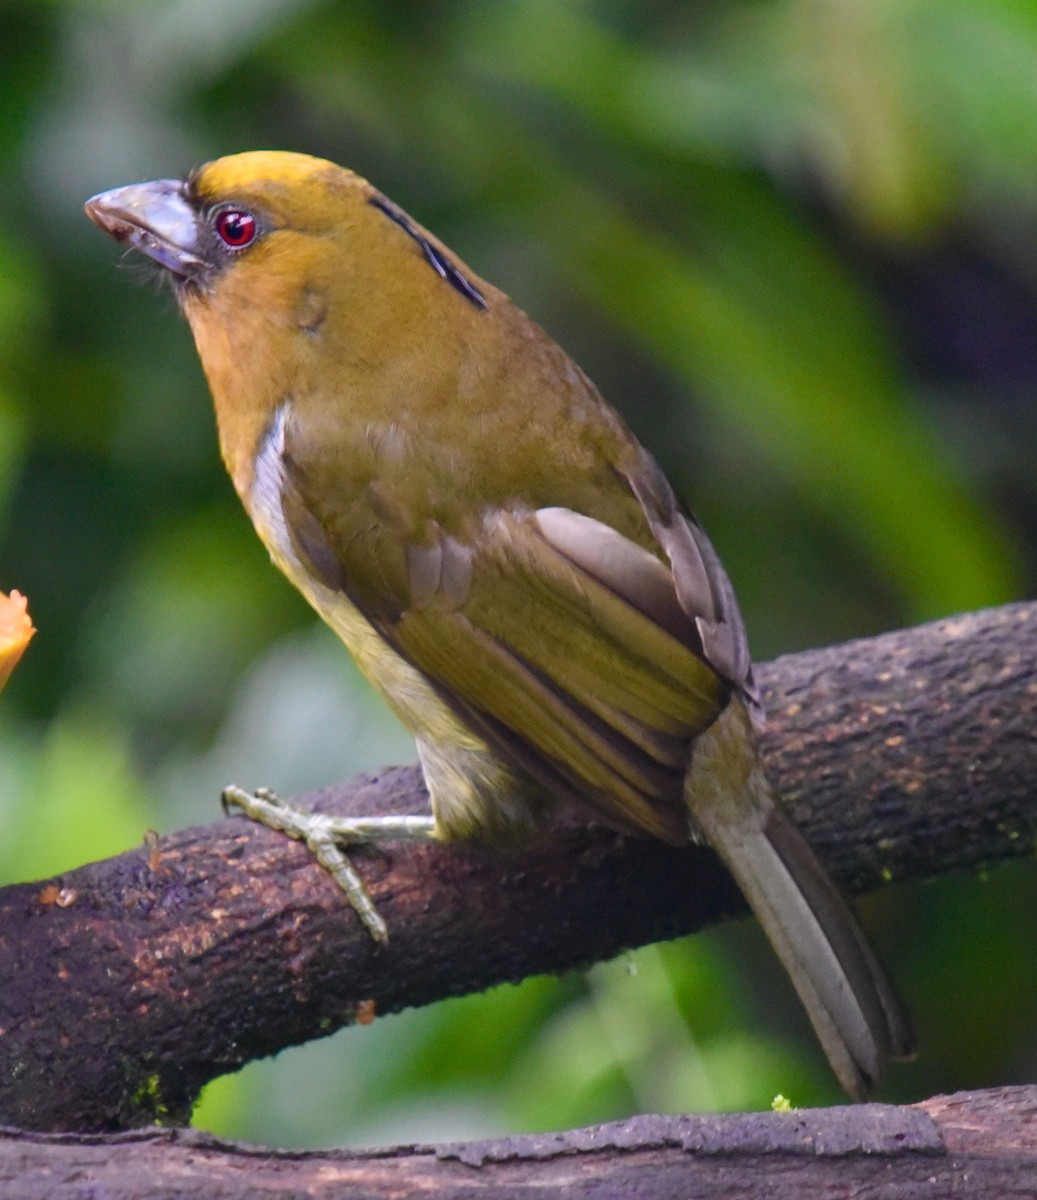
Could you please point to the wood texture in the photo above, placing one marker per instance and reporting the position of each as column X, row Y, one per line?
column 973, row 1146
column 128, row 984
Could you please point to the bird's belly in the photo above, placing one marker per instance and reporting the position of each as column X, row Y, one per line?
column 474, row 793
column 404, row 689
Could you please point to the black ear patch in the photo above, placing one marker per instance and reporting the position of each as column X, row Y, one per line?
column 436, row 259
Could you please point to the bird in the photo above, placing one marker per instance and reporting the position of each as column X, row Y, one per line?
column 506, row 562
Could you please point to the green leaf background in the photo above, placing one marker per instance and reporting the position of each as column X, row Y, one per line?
column 793, row 241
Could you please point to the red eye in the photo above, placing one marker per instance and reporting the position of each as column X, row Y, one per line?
column 236, row 228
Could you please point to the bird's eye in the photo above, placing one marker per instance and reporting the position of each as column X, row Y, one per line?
column 236, row 229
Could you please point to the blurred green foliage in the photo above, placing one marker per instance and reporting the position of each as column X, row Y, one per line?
column 793, row 240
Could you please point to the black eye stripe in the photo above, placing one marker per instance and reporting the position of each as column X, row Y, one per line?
column 436, row 259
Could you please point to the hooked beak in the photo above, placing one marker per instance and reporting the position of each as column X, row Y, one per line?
column 154, row 218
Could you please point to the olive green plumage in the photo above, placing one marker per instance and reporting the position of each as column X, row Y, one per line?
column 507, row 564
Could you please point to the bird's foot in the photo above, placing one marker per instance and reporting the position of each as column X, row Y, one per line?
column 325, row 834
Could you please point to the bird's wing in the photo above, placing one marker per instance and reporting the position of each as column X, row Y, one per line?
column 703, row 589
column 580, row 656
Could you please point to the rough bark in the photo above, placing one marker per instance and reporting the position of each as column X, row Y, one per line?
column 974, row 1146
column 128, row 984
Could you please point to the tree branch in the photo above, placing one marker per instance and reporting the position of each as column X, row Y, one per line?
column 904, row 755
column 974, row 1145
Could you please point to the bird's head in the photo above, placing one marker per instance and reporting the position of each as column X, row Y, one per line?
column 278, row 222
column 298, row 277
column 245, row 214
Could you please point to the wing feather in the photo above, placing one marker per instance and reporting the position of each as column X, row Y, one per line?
column 699, row 579
column 575, row 652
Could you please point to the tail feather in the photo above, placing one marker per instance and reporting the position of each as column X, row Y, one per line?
column 843, row 932
column 847, row 995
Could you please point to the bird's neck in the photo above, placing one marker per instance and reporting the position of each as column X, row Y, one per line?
column 248, row 380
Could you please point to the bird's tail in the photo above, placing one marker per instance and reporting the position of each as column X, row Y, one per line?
column 851, row 1003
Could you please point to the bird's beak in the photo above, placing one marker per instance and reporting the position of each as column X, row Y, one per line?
column 154, row 218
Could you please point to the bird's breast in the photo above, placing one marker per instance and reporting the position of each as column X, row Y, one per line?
column 406, row 691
